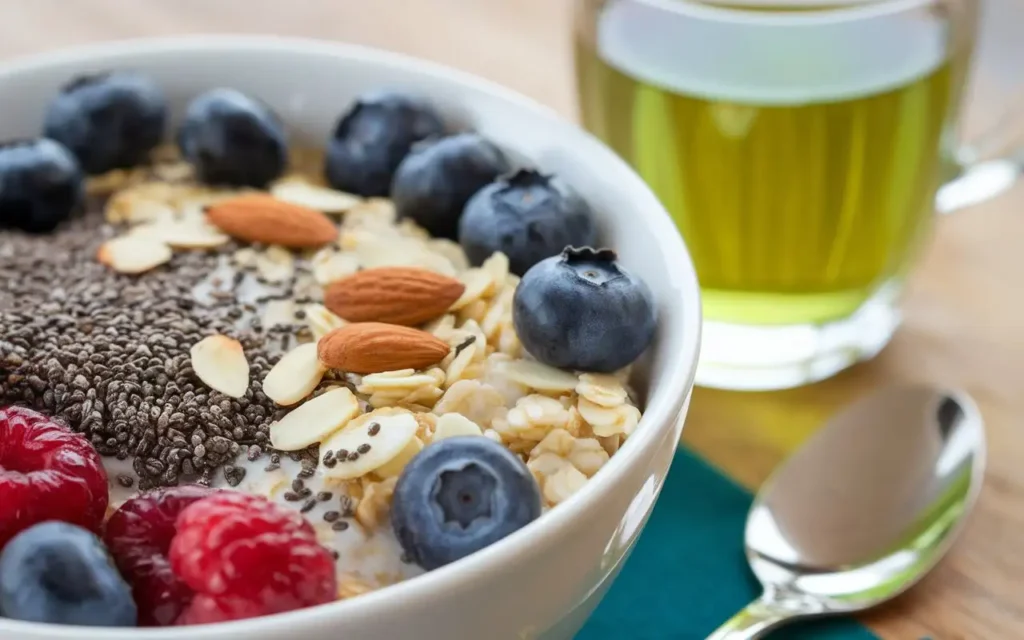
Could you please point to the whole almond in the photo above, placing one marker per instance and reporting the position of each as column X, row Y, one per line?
column 262, row 218
column 373, row 347
column 397, row 295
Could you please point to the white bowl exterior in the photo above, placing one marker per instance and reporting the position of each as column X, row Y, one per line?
column 543, row 581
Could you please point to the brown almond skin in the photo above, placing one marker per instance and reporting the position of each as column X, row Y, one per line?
column 407, row 296
column 263, row 218
column 373, row 347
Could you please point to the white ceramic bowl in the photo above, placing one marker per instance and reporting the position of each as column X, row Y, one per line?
column 544, row 580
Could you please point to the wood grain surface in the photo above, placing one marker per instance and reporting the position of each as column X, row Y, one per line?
column 963, row 306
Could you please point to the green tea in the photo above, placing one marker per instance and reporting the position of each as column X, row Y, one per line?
column 800, row 176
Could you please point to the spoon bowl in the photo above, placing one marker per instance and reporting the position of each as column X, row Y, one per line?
column 865, row 509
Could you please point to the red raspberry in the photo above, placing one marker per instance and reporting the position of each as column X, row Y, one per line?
column 47, row 472
column 139, row 537
column 246, row 557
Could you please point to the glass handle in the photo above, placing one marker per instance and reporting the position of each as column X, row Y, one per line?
column 758, row 618
column 988, row 165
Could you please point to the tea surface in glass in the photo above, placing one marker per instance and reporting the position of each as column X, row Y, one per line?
column 799, row 157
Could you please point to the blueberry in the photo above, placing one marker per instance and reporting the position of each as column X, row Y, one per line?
column 437, row 179
column 40, row 185
column 371, row 139
column 233, row 139
column 57, row 572
column 458, row 496
column 108, row 120
column 528, row 216
column 581, row 310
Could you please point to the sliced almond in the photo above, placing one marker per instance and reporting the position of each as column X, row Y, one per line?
column 452, row 251
column 395, row 466
column 393, row 433
column 541, row 377
column 276, row 264
column 313, row 196
column 329, row 265
column 220, row 363
column 142, row 210
column 314, row 421
column 294, row 376
column 476, row 282
column 321, row 321
column 182, row 234
column 404, row 380
column 497, row 267
column 373, row 212
column 123, row 205
column 455, row 424
column 133, row 254
column 602, row 389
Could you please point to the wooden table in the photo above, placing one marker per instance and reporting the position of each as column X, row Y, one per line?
column 963, row 307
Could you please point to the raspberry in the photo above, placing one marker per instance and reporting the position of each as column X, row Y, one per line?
column 247, row 557
column 47, row 472
column 139, row 537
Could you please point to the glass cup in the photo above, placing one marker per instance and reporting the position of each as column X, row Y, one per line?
column 802, row 148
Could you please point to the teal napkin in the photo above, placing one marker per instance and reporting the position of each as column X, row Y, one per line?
column 688, row 574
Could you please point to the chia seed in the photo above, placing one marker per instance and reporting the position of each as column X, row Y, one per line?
column 374, row 429
column 108, row 353
column 324, row 496
column 340, row 525
column 291, row 496
column 464, row 345
column 331, row 516
column 363, row 448
column 308, row 505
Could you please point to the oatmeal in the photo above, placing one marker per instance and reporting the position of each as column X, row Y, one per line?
column 309, row 361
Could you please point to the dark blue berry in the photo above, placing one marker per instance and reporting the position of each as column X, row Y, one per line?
column 233, row 139
column 527, row 216
column 108, row 120
column 40, row 185
column 458, row 496
column 437, row 179
column 59, row 573
column 373, row 137
column 581, row 310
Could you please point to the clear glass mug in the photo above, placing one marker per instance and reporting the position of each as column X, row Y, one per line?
column 802, row 147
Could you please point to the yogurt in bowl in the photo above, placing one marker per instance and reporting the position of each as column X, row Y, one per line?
column 597, row 463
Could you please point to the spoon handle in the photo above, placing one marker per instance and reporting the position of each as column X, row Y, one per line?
column 754, row 621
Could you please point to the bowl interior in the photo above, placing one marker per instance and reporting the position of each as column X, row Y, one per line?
column 309, row 84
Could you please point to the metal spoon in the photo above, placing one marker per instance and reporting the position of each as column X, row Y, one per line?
column 865, row 509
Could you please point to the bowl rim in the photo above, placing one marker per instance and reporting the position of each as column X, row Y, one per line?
column 658, row 418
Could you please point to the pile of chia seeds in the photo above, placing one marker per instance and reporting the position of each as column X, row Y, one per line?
column 109, row 354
